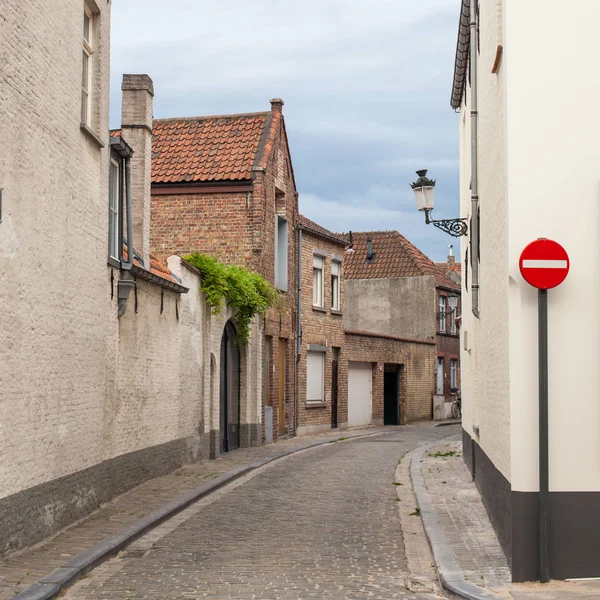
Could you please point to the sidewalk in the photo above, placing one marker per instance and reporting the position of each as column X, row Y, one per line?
column 461, row 535
column 22, row 570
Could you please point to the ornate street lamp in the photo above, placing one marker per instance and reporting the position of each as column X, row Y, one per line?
column 423, row 189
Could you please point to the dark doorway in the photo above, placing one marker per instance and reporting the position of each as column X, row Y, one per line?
column 334, row 387
column 391, row 395
column 230, row 390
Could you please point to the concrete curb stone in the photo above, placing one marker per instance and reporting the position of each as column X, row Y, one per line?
column 451, row 575
column 58, row 580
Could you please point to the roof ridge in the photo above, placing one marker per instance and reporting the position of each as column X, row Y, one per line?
column 207, row 117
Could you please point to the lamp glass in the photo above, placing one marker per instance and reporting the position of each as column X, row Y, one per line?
column 424, row 197
column 452, row 301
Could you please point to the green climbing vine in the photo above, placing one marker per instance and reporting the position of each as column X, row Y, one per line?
column 247, row 293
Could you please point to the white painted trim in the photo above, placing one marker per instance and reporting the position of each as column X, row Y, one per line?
column 545, row 264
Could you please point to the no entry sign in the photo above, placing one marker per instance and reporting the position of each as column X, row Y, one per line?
column 544, row 264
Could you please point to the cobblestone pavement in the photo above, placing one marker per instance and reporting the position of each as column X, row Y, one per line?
column 469, row 532
column 320, row 524
column 462, row 515
column 22, row 570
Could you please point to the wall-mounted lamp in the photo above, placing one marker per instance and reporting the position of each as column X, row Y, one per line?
column 452, row 306
column 423, row 188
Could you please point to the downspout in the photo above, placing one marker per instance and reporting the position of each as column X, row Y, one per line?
column 474, row 180
column 126, row 283
column 298, row 324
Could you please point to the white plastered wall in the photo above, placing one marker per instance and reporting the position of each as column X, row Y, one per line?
column 485, row 362
column 553, row 190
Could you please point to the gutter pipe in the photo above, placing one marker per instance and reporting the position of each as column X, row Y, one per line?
column 298, row 325
column 474, row 173
column 127, row 282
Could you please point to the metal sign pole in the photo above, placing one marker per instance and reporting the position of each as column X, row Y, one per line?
column 543, row 431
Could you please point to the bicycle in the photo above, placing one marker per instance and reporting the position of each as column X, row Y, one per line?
column 456, row 405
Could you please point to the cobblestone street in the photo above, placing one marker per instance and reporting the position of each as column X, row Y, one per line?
column 320, row 524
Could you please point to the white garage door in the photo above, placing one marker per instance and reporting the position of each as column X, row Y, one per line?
column 360, row 404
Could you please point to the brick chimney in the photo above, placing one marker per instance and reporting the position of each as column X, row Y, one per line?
column 276, row 105
column 136, row 125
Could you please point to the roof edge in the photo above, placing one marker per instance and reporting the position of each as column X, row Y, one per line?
column 389, row 337
column 461, row 60
column 207, row 117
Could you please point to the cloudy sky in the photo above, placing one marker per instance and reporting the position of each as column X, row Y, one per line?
column 366, row 86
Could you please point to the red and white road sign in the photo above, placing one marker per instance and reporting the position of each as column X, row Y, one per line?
column 544, row 264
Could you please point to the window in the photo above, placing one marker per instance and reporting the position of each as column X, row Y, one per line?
column 442, row 313
column 318, row 262
column 335, row 285
column 281, row 253
column 87, row 68
column 453, row 373
column 113, row 215
column 315, row 366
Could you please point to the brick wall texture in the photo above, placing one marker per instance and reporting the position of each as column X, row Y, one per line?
column 321, row 327
column 416, row 380
column 239, row 228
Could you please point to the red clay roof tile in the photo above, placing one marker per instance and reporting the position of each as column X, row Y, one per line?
column 320, row 230
column 395, row 257
column 206, row 148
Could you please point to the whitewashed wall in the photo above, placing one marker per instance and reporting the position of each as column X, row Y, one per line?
column 485, row 365
column 553, row 190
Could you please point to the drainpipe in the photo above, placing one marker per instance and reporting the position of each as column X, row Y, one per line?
column 126, row 283
column 474, row 181
column 298, row 324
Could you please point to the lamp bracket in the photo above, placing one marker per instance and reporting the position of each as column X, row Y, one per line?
column 453, row 227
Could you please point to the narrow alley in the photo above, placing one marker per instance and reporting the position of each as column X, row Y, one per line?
column 320, row 524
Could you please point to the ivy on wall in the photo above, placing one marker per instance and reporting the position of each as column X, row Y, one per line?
column 247, row 293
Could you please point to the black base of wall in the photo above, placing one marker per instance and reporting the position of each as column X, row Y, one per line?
column 574, row 547
column 39, row 512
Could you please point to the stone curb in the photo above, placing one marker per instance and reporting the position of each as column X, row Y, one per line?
column 56, row 582
column 451, row 575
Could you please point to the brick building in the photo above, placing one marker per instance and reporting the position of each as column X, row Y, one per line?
column 397, row 314
column 322, row 365
column 224, row 186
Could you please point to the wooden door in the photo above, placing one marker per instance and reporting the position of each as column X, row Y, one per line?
column 334, row 388
column 281, row 391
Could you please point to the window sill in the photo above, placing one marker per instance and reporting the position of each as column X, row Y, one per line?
column 320, row 309
column 336, row 312
column 113, row 263
column 315, row 405
column 92, row 135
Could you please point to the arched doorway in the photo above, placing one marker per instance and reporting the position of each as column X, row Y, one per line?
column 230, row 390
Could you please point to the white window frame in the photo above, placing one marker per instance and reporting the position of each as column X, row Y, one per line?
column 87, row 61
column 442, row 313
column 311, row 357
column 115, row 192
column 336, row 290
column 453, row 373
column 318, row 288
